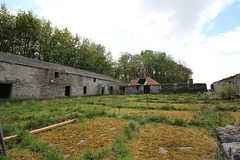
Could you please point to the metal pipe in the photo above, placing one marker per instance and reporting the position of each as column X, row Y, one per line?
column 2, row 141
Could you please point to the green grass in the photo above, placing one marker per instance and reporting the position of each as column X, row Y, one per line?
column 17, row 117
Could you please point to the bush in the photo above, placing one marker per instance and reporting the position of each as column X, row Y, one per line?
column 120, row 149
column 127, row 132
column 168, row 107
column 228, row 92
column 180, row 122
column 159, row 119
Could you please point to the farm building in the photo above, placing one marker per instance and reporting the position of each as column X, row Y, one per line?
column 233, row 81
column 148, row 85
column 25, row 78
column 142, row 85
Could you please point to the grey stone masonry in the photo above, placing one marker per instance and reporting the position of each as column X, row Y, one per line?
column 228, row 139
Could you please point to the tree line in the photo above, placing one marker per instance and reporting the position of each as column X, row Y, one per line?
column 26, row 35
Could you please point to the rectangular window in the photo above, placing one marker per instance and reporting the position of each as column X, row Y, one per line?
column 94, row 79
column 137, row 87
column 56, row 75
column 85, row 90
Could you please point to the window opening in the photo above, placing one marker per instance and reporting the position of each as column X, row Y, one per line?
column 94, row 79
column 137, row 87
column 141, row 80
column 85, row 90
column 67, row 91
column 5, row 90
column 56, row 74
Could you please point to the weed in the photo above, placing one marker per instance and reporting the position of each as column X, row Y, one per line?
column 120, row 149
column 127, row 132
column 180, row 122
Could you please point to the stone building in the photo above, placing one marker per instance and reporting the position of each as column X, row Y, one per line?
column 25, row 78
column 148, row 85
column 233, row 81
column 142, row 85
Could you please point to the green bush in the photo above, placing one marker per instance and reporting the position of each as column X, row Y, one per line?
column 180, row 122
column 168, row 107
column 228, row 92
column 120, row 149
column 159, row 119
column 127, row 132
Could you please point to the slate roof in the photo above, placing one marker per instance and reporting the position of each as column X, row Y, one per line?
column 148, row 82
column 227, row 78
column 15, row 59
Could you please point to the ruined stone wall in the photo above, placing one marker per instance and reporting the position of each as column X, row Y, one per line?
column 233, row 81
column 155, row 89
column 228, row 139
column 28, row 82
column 134, row 89
column 184, row 88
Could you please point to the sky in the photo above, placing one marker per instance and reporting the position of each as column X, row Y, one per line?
column 205, row 34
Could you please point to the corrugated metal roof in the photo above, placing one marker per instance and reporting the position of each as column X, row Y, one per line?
column 10, row 58
column 148, row 82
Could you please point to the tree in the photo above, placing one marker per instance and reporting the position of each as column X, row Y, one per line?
column 6, row 30
column 27, row 33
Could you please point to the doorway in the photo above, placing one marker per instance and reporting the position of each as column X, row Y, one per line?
column 67, row 91
column 5, row 90
column 111, row 90
column 146, row 89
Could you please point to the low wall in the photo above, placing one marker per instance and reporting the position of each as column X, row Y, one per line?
column 228, row 139
column 184, row 88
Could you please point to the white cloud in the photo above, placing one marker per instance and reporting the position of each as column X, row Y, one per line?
column 173, row 26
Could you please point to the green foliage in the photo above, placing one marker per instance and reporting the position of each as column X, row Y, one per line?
column 127, row 132
column 157, row 65
column 228, row 92
column 168, row 107
column 31, row 37
column 25, row 139
column 120, row 149
column 180, row 122
column 159, row 119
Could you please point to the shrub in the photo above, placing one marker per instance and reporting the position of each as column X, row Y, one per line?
column 180, row 122
column 159, row 119
column 168, row 107
column 228, row 92
column 133, row 126
column 120, row 149
column 127, row 132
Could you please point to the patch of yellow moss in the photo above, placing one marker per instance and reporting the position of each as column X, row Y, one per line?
column 235, row 116
column 158, row 141
column 74, row 139
column 23, row 154
column 186, row 115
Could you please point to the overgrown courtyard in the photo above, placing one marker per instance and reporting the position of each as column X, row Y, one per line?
column 149, row 126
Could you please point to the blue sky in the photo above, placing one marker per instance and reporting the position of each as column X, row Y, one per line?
column 205, row 34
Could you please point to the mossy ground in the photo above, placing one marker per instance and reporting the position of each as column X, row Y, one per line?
column 157, row 141
column 100, row 119
column 74, row 139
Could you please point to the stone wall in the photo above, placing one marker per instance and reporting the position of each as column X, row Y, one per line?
column 184, row 88
column 228, row 140
column 233, row 81
column 29, row 82
column 167, row 89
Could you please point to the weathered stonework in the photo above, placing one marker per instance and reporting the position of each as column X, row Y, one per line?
column 29, row 81
column 233, row 81
column 228, row 140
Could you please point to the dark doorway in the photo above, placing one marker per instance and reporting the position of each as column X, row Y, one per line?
column 111, row 90
column 102, row 90
column 5, row 90
column 146, row 89
column 67, row 91
column 85, row 90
